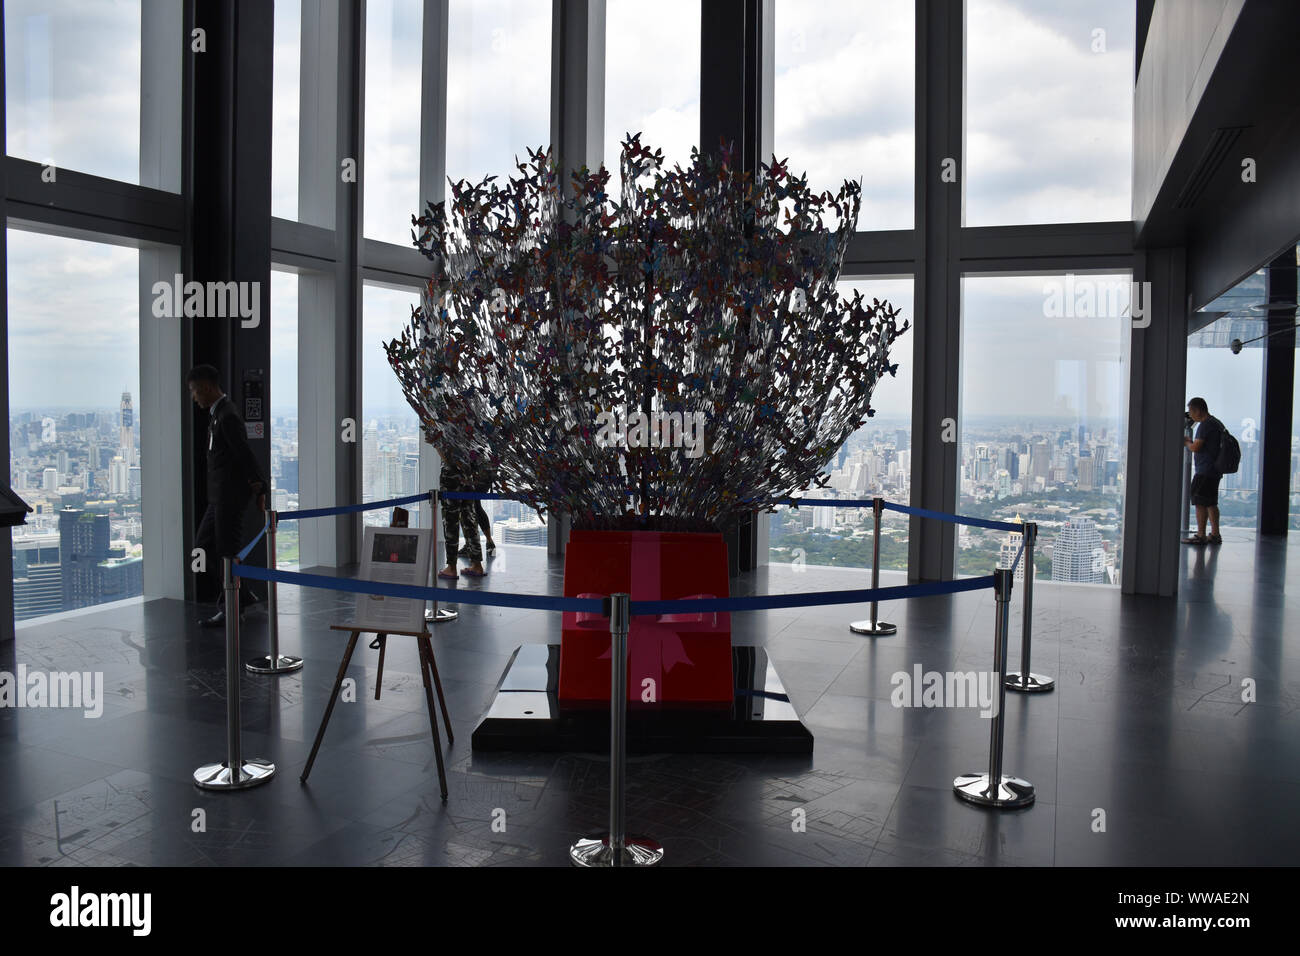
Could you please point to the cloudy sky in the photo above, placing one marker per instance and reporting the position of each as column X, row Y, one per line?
column 72, row 84
column 1049, row 120
column 1048, row 139
column 845, row 101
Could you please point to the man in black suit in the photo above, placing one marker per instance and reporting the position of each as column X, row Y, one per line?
column 233, row 478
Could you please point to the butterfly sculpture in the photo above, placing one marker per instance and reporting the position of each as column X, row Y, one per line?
column 701, row 294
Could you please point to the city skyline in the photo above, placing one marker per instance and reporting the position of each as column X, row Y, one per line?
column 1048, row 469
column 80, row 472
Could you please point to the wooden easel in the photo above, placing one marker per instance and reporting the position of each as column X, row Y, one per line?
column 429, row 673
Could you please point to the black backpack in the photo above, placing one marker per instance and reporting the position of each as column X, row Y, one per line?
column 1229, row 458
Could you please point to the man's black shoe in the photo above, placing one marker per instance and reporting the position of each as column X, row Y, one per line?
column 219, row 619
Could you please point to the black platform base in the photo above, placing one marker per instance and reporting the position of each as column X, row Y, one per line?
column 526, row 715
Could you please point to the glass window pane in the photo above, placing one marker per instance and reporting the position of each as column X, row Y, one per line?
column 284, row 412
column 391, row 169
column 875, row 460
column 1049, row 111
column 1294, row 523
column 1044, row 407
column 390, row 432
column 652, row 79
column 285, row 99
column 1233, row 388
column 845, row 100
column 74, row 434
column 72, row 85
column 498, row 85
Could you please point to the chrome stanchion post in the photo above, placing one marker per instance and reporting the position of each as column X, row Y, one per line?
column 994, row 788
column 874, row 627
column 618, row 629
column 437, row 615
column 616, row 848
column 1025, row 680
column 275, row 662
column 236, row 773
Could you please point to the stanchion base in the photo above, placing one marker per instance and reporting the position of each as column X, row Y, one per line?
column 594, row 851
column 1012, row 793
column 217, row 776
column 284, row 664
column 873, row 628
column 1035, row 684
column 442, row 617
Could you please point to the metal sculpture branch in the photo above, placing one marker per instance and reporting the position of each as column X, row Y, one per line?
column 669, row 360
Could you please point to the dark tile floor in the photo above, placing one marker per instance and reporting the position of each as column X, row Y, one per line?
column 1146, row 733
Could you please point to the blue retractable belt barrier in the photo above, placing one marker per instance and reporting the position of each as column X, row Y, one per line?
column 838, row 502
column 538, row 602
column 542, row 602
column 749, row 692
column 793, row 502
column 905, row 509
column 477, row 495
column 810, row 599
column 349, row 509
column 956, row 519
column 249, row 547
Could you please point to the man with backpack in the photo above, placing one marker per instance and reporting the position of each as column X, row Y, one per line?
column 1211, row 447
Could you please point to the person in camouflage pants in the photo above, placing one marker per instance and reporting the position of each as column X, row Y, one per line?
column 458, row 516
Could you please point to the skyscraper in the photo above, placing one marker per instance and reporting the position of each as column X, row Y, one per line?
column 1248, row 470
column 119, row 476
column 390, row 474
column 38, row 587
column 119, row 578
column 83, row 543
column 1007, row 553
column 1040, row 460
column 1077, row 554
column 522, row 531
column 1087, row 473
column 288, row 475
column 93, row 572
column 410, row 473
column 126, row 441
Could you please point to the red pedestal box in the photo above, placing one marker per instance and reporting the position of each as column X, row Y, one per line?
column 688, row 656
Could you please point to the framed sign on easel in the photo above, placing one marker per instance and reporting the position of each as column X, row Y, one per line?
column 395, row 555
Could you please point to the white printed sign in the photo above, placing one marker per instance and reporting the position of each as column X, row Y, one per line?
column 393, row 556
